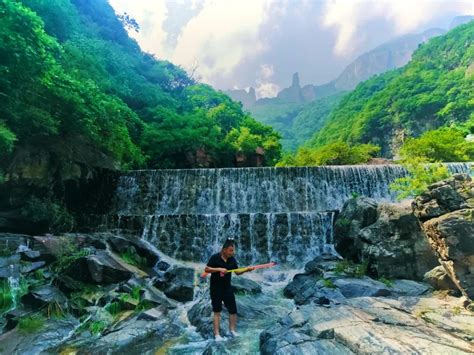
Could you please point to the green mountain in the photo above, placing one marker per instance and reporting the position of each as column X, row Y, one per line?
column 435, row 89
column 77, row 92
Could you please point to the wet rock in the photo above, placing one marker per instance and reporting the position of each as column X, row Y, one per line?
column 122, row 245
column 13, row 317
column 162, row 266
column 10, row 266
column 243, row 285
column 44, row 295
column 99, row 268
column 53, row 332
column 27, row 267
column 29, row 255
column 177, row 283
column 200, row 316
column 153, row 314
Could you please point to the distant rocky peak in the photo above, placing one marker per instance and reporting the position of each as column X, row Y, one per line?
column 295, row 80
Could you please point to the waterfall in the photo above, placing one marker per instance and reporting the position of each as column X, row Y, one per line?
column 278, row 214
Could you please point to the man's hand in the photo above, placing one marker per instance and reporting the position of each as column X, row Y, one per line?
column 250, row 268
column 222, row 270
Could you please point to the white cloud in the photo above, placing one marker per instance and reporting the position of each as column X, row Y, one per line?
column 266, row 71
column 404, row 16
column 217, row 39
column 266, row 89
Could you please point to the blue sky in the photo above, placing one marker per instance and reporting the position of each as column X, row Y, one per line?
column 261, row 43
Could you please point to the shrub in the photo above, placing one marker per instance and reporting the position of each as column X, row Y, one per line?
column 421, row 175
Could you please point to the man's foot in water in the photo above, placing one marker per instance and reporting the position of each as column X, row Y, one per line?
column 218, row 338
column 234, row 333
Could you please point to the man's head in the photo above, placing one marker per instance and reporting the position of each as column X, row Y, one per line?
column 228, row 248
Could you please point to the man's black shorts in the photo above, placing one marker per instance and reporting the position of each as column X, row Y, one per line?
column 226, row 295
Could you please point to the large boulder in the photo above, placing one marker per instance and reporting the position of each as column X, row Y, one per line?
column 44, row 295
column 439, row 279
column 177, row 283
column 446, row 211
column 100, row 268
column 387, row 236
column 243, row 285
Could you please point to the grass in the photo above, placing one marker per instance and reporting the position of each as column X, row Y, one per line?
column 131, row 257
column 6, row 296
column 30, row 324
column 387, row 282
column 97, row 327
column 328, row 283
column 352, row 269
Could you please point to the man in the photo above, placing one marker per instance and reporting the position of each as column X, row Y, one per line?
column 221, row 289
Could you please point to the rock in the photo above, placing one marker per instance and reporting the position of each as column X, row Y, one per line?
column 99, row 268
column 10, row 266
column 30, row 255
column 177, row 283
column 27, row 267
column 243, row 285
column 446, row 211
column 200, row 316
column 354, row 287
column 306, row 288
column 408, row 288
column 44, row 295
column 357, row 213
column 439, row 279
column 53, row 332
column 121, row 245
column 361, row 325
column 445, row 196
column 394, row 245
column 153, row 314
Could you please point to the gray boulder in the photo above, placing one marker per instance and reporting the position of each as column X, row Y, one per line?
column 177, row 283
column 446, row 211
column 43, row 296
column 439, row 279
column 392, row 242
column 363, row 287
column 100, row 268
column 243, row 285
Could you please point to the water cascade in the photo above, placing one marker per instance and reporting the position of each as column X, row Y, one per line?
column 279, row 214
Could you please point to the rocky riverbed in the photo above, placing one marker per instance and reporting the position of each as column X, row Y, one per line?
column 114, row 295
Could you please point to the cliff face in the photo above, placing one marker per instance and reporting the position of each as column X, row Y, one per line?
column 388, row 56
column 446, row 212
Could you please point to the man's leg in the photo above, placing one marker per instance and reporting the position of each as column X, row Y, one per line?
column 216, row 322
column 232, row 322
column 231, row 305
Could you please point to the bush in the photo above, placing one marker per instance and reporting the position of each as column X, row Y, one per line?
column 421, row 175
column 441, row 145
column 338, row 153
column 52, row 213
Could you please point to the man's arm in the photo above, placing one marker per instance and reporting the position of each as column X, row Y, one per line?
column 250, row 268
column 210, row 270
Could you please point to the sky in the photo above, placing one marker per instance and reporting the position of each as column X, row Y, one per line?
column 235, row 44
